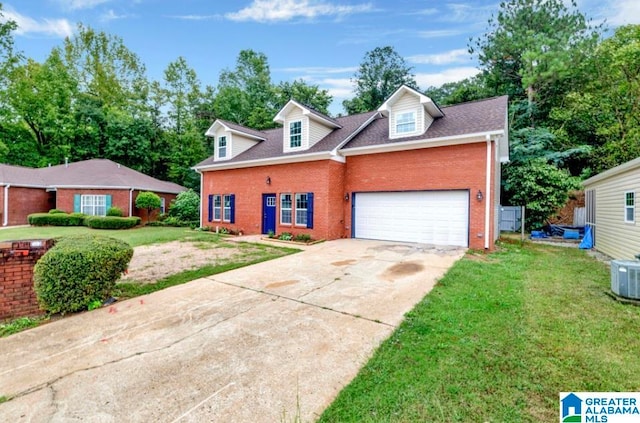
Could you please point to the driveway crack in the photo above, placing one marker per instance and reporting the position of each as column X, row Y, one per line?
column 49, row 384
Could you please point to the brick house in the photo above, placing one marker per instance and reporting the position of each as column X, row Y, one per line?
column 90, row 187
column 409, row 171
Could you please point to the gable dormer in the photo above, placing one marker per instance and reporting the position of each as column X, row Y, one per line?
column 231, row 139
column 303, row 127
column 410, row 113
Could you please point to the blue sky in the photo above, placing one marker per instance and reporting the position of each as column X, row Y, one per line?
column 321, row 41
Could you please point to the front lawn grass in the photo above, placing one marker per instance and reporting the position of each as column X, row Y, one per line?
column 497, row 339
column 135, row 237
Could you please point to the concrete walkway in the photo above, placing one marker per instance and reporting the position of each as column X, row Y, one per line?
column 265, row 343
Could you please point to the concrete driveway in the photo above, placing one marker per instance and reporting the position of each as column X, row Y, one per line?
column 266, row 343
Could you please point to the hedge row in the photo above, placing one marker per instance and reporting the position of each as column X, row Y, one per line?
column 111, row 222
column 56, row 219
column 78, row 219
column 79, row 270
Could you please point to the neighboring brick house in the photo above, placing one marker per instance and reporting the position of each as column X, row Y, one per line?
column 409, row 171
column 90, row 186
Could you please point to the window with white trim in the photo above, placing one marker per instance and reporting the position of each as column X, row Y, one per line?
column 405, row 122
column 162, row 205
column 94, row 205
column 217, row 206
column 227, row 209
column 630, row 207
column 301, row 209
column 285, row 209
column 222, row 147
column 295, row 134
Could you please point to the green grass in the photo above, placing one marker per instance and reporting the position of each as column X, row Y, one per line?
column 20, row 324
column 497, row 339
column 249, row 254
column 135, row 237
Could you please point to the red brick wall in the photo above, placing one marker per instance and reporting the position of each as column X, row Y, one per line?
column 23, row 202
column 119, row 198
column 249, row 184
column 17, row 297
column 442, row 168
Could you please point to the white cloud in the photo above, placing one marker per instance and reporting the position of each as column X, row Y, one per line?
column 339, row 88
column 285, row 10
column 425, row 80
column 460, row 55
column 81, row 4
column 623, row 12
column 26, row 25
column 437, row 33
column 110, row 15
column 319, row 70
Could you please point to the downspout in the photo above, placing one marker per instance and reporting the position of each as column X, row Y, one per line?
column 201, row 198
column 487, row 204
column 131, row 202
column 5, row 212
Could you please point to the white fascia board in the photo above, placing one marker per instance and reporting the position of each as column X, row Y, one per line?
column 14, row 185
column 105, row 187
column 422, row 143
column 318, row 118
column 624, row 167
column 299, row 158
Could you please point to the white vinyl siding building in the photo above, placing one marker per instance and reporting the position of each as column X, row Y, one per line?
column 613, row 195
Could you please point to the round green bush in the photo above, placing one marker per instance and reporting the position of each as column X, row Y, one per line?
column 115, row 211
column 79, row 270
column 186, row 206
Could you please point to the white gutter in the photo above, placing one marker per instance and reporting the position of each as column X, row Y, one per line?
column 201, row 199
column 5, row 217
column 131, row 202
column 487, row 204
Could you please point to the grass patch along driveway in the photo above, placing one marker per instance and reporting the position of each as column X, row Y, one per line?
column 497, row 339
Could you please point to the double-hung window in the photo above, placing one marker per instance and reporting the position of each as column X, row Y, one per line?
column 295, row 134
column 94, row 205
column 630, row 207
column 222, row 147
column 301, row 209
column 217, row 206
column 227, row 208
column 405, row 122
column 285, row 209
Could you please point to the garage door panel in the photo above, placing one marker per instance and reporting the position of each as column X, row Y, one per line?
column 432, row 217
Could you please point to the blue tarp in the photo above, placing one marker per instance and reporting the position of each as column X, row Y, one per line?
column 587, row 241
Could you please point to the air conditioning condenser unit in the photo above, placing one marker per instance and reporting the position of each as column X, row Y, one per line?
column 625, row 278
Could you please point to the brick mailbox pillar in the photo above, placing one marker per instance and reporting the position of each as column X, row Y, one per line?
column 17, row 258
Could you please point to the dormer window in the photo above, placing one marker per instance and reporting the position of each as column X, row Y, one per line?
column 222, row 147
column 295, row 134
column 405, row 122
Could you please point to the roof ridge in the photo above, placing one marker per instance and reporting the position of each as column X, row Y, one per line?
column 479, row 100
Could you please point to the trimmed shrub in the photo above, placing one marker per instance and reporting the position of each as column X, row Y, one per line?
column 186, row 206
column 111, row 222
column 54, row 211
column 115, row 211
column 79, row 270
column 56, row 219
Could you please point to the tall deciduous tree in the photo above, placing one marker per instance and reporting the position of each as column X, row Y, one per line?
column 245, row 94
column 299, row 90
column 381, row 72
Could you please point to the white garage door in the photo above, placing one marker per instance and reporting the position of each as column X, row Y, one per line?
column 430, row 217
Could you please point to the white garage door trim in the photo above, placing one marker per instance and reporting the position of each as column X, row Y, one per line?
column 428, row 217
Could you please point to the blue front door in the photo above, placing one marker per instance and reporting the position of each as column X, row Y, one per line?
column 268, row 213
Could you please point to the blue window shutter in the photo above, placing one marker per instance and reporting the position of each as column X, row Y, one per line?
column 310, row 210
column 77, row 198
column 210, row 215
column 107, row 202
column 232, row 205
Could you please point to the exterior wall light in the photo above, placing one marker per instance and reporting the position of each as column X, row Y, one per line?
column 268, row 180
column 346, row 197
column 479, row 196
